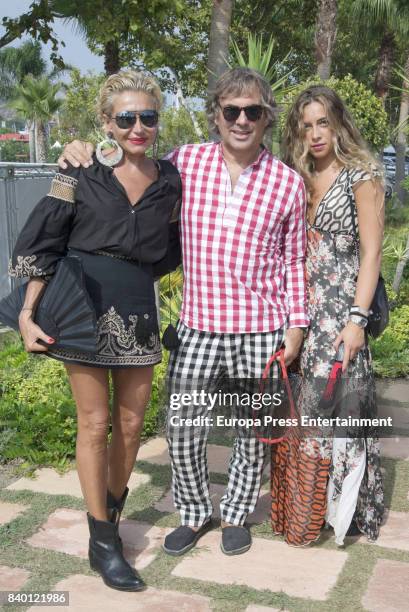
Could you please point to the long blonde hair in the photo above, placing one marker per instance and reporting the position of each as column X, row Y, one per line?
column 349, row 146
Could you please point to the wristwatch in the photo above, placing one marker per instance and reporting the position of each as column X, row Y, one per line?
column 359, row 320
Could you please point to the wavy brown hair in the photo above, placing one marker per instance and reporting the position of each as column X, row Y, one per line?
column 239, row 82
column 350, row 148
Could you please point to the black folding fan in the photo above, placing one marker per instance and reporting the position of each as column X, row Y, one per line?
column 65, row 311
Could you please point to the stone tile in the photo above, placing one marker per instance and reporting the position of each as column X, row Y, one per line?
column 270, row 565
column 66, row 531
column 395, row 448
column 155, row 451
column 260, row 514
column 392, row 391
column 89, row 593
column 9, row 511
column 394, row 533
column 386, row 587
column 218, row 458
column 399, row 415
column 12, row 578
column 51, row 482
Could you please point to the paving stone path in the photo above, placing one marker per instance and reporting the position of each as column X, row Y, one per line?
column 43, row 546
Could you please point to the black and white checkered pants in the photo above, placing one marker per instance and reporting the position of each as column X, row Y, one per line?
column 201, row 361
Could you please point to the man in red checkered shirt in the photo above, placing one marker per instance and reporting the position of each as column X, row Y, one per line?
column 243, row 242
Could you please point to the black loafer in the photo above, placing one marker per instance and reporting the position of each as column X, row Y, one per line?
column 182, row 539
column 235, row 540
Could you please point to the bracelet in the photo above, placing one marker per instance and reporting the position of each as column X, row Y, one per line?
column 358, row 313
column 363, row 312
column 27, row 309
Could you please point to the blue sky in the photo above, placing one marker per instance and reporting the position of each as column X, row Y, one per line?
column 75, row 52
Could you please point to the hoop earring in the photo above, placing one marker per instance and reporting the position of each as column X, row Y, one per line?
column 109, row 142
column 155, row 146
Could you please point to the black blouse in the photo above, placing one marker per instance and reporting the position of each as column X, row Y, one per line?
column 88, row 209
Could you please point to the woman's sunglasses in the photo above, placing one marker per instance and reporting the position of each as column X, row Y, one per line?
column 252, row 112
column 127, row 119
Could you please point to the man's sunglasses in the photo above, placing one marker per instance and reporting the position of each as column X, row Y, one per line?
column 252, row 112
column 127, row 119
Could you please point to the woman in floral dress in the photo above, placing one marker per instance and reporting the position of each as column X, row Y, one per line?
column 321, row 476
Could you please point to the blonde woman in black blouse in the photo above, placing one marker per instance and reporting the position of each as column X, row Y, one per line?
column 116, row 216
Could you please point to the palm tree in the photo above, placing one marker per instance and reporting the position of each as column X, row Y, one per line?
column 16, row 63
column 325, row 35
column 401, row 140
column 112, row 26
column 218, row 45
column 86, row 18
column 36, row 101
column 388, row 18
column 219, row 40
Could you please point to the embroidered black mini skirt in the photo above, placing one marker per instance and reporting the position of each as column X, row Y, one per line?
column 123, row 295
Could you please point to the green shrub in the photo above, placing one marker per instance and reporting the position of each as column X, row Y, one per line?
column 37, row 411
column 155, row 413
column 37, row 407
column 14, row 151
column 396, row 216
column 391, row 351
column 366, row 109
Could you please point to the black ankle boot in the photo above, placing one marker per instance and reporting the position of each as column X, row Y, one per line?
column 106, row 558
column 114, row 509
column 115, row 506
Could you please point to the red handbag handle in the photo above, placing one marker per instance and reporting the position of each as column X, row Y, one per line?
column 279, row 355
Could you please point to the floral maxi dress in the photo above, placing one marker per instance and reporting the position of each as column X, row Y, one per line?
column 321, row 477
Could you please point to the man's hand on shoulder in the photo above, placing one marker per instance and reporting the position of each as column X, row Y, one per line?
column 293, row 340
column 77, row 153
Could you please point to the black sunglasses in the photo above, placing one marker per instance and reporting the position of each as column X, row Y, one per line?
column 127, row 119
column 252, row 112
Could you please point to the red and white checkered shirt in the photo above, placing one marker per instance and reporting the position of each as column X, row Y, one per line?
column 243, row 252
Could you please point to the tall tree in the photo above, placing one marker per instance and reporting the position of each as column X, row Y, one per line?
column 401, row 141
column 217, row 61
column 281, row 20
column 325, row 36
column 181, row 45
column 18, row 62
column 37, row 22
column 109, row 26
column 387, row 18
column 37, row 103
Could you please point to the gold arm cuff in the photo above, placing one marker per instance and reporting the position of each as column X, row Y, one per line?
column 63, row 188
